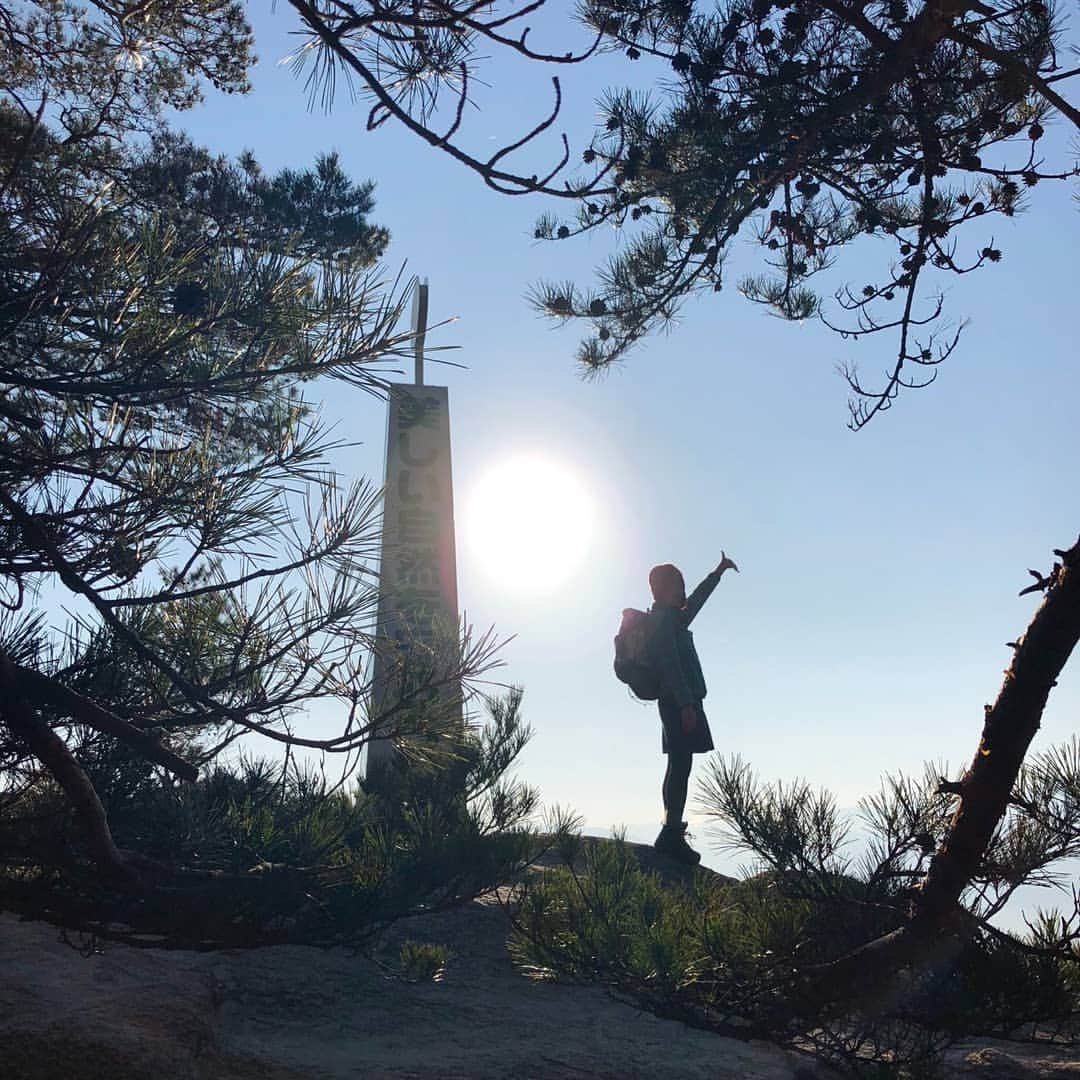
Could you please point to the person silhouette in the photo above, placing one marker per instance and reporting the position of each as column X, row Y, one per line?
column 685, row 728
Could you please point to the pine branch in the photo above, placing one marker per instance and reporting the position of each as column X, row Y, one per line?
column 54, row 754
column 42, row 690
column 1009, row 726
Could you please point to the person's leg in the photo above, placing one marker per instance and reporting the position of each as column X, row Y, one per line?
column 672, row 838
column 676, row 784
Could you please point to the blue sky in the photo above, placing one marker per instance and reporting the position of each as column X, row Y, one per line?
column 879, row 570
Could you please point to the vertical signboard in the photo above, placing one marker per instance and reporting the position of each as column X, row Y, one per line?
column 417, row 626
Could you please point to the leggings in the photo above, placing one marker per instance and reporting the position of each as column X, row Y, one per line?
column 676, row 782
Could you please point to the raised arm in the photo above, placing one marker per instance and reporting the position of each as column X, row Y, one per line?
column 696, row 600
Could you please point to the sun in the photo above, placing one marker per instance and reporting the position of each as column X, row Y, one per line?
column 529, row 524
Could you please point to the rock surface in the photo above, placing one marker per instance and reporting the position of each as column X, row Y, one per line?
column 288, row 1012
column 1006, row 1062
column 295, row 1013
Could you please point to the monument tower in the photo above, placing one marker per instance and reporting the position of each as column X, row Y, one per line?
column 417, row 621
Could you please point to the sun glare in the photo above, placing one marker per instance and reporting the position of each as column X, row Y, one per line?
column 529, row 524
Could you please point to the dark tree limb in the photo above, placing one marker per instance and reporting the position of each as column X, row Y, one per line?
column 42, row 690
column 54, row 754
column 1008, row 63
column 1009, row 726
column 987, row 786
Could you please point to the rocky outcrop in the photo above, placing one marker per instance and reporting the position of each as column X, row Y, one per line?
column 287, row 1012
column 1009, row 1062
column 78, row 1010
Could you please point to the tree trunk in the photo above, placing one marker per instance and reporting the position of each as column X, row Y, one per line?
column 1008, row 728
column 54, row 754
column 40, row 689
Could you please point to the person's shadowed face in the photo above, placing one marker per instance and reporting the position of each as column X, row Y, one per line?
column 668, row 586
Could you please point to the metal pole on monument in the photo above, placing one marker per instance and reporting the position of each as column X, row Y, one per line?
column 417, row 625
column 419, row 329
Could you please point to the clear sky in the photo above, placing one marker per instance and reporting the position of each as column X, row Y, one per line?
column 880, row 570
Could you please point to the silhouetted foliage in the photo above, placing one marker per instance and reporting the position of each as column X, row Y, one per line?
column 731, row 956
column 804, row 125
column 164, row 481
column 318, row 214
column 270, row 851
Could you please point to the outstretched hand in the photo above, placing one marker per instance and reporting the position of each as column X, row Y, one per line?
column 726, row 564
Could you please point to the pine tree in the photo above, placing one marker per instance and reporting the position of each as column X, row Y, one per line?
column 164, row 479
column 803, row 126
column 742, row 957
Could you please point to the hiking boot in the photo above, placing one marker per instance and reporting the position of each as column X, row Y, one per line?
column 672, row 842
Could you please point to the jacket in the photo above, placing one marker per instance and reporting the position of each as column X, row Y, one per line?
column 671, row 647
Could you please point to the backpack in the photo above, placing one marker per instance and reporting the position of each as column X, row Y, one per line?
column 632, row 664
